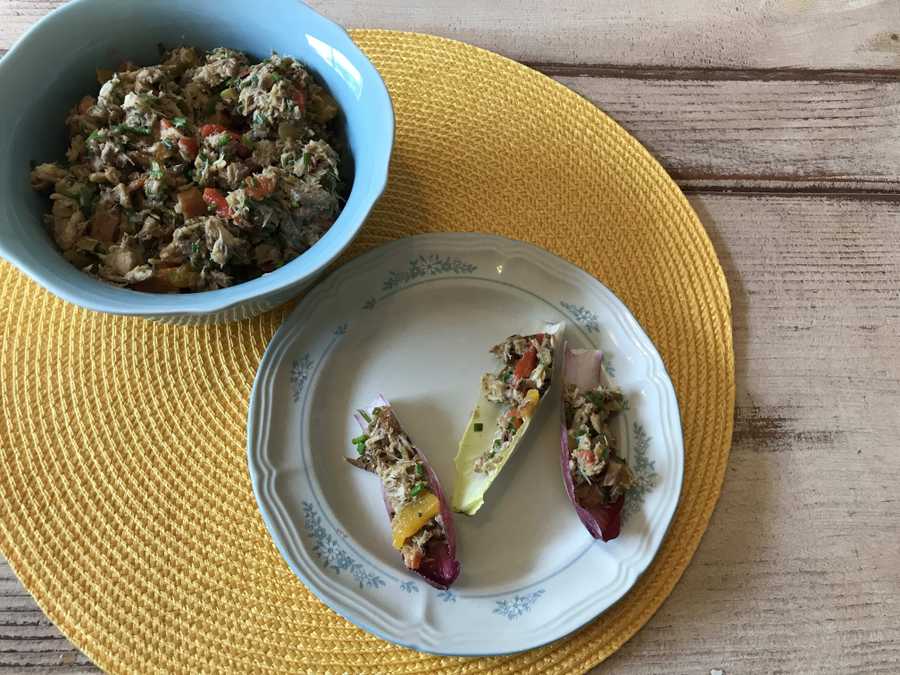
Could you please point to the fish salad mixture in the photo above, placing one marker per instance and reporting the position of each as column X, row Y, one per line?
column 195, row 174
column 599, row 475
column 416, row 521
column 518, row 386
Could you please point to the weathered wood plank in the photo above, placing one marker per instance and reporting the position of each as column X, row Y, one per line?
column 781, row 134
column 798, row 571
column 29, row 642
column 799, row 33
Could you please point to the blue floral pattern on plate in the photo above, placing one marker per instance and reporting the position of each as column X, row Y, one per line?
column 447, row 596
column 427, row 266
column 644, row 470
column 588, row 319
column 517, row 605
column 332, row 555
column 299, row 375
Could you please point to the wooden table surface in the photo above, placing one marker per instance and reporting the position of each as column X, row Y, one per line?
column 781, row 121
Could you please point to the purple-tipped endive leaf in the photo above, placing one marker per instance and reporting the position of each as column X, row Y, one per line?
column 582, row 367
column 439, row 566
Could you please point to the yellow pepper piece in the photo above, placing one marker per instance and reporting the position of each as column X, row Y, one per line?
column 412, row 517
column 531, row 400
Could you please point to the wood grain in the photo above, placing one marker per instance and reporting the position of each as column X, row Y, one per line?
column 29, row 642
column 774, row 134
column 788, row 34
column 800, row 568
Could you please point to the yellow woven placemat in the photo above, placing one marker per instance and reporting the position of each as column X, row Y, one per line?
column 126, row 505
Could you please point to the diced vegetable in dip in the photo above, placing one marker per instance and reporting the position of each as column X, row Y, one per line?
column 198, row 173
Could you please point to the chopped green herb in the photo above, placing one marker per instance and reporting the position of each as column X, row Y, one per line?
column 276, row 77
column 416, row 489
column 224, row 140
column 478, row 426
column 362, row 438
column 128, row 129
column 180, row 122
column 361, row 448
column 156, row 171
column 195, row 248
column 365, row 416
column 497, row 444
column 96, row 134
column 420, row 470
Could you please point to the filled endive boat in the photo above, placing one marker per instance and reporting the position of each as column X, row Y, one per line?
column 421, row 523
column 507, row 403
column 596, row 477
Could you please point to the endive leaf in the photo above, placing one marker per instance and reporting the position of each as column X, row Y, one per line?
column 439, row 567
column 470, row 486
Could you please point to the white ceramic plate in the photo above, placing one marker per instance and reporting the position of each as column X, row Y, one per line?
column 414, row 320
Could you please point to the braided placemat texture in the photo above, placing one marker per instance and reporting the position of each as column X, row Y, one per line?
column 126, row 504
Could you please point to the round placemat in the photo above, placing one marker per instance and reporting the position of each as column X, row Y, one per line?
column 127, row 507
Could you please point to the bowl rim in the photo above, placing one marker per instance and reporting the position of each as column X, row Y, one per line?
column 95, row 294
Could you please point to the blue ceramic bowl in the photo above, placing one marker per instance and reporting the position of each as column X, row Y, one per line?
column 53, row 65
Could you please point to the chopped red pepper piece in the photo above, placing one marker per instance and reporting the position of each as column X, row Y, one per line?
column 188, row 147
column 215, row 198
column 259, row 187
column 210, row 129
column 587, row 456
column 526, row 364
column 299, row 98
